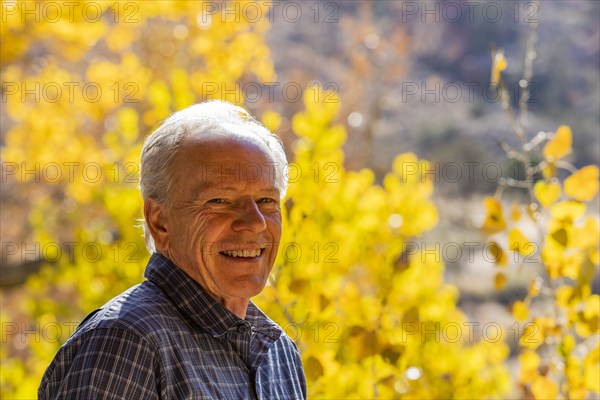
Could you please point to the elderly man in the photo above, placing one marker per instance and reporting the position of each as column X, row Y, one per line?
column 212, row 179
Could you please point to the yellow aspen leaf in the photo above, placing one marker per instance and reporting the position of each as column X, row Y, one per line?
column 535, row 286
column 573, row 373
column 515, row 212
column 549, row 170
column 560, row 144
column 544, row 388
column 564, row 295
column 534, row 334
column 586, row 328
column 271, row 120
column 499, row 281
column 592, row 307
column 181, row 88
column 121, row 36
column 591, row 368
column 560, row 236
column 494, row 220
column 313, row 367
column 586, row 236
column 128, row 125
column 499, row 64
column 498, row 255
column 568, row 344
column 517, row 241
column 578, row 392
column 567, row 211
column 571, row 265
column 520, row 310
column 582, row 185
column 546, row 192
column 529, row 361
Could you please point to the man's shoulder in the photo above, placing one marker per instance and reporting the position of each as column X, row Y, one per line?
column 143, row 310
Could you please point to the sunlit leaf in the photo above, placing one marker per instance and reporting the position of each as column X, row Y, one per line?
column 499, row 280
column 520, row 311
column 567, row 211
column 494, row 220
column 582, row 185
column 498, row 254
column 535, row 285
column 544, row 388
column 515, row 212
column 517, row 241
column 592, row 369
column 546, row 192
column 271, row 120
column 529, row 362
column 560, row 144
column 499, row 64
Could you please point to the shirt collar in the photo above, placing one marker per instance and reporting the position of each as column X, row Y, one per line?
column 196, row 305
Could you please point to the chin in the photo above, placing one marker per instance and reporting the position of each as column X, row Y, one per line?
column 251, row 289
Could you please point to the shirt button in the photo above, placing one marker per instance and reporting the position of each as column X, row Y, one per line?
column 242, row 329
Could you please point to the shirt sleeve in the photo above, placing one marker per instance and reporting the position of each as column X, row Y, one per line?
column 104, row 363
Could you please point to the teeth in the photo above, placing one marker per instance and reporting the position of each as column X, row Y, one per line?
column 243, row 253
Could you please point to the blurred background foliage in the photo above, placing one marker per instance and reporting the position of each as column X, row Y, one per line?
column 361, row 282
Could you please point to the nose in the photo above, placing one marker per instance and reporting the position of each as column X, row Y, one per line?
column 249, row 218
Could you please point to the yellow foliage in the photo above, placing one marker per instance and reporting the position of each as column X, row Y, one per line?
column 544, row 388
column 517, row 241
column 560, row 144
column 499, row 280
column 529, row 362
column 564, row 314
column 271, row 120
column 515, row 212
column 498, row 255
column 499, row 64
column 494, row 220
column 583, row 184
column 592, row 369
column 520, row 311
column 389, row 310
column 546, row 192
column 567, row 211
column 95, row 90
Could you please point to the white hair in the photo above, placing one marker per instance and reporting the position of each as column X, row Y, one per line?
column 215, row 116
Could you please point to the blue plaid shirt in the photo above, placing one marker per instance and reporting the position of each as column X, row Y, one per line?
column 168, row 339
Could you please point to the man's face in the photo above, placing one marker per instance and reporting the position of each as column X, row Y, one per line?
column 224, row 217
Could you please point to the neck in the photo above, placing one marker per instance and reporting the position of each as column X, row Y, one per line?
column 236, row 306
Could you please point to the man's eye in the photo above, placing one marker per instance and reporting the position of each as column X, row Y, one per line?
column 266, row 200
column 216, row 201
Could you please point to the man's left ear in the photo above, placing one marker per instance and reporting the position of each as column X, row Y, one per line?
column 155, row 214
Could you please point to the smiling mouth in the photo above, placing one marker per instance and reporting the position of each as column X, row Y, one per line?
column 242, row 253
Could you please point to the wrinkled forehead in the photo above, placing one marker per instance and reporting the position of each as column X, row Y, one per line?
column 216, row 158
column 223, row 145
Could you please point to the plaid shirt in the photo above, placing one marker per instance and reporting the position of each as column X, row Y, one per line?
column 168, row 339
